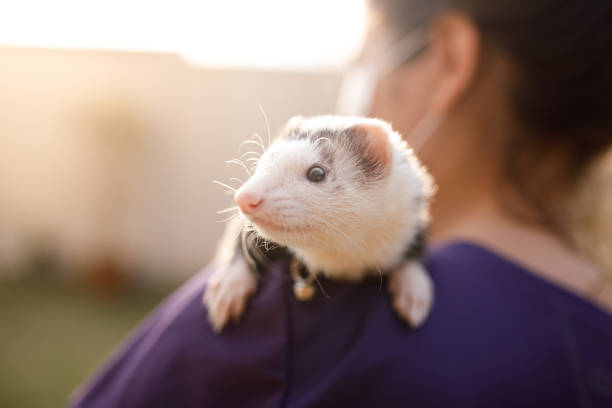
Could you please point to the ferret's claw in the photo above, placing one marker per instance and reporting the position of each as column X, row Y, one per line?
column 227, row 292
column 412, row 293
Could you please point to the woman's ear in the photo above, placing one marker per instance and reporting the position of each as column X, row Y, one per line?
column 456, row 45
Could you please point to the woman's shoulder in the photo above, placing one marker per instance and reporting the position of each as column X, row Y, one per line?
column 493, row 331
column 511, row 330
column 496, row 336
column 464, row 266
column 174, row 358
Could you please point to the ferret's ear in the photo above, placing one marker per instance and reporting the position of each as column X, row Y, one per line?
column 376, row 141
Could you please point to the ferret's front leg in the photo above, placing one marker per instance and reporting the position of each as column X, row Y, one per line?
column 232, row 283
column 411, row 292
column 228, row 291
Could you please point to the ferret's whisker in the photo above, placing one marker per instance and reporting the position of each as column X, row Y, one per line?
column 267, row 245
column 243, row 155
column 233, row 216
column 260, row 140
column 225, row 185
column 229, row 209
column 255, row 142
column 314, row 275
column 252, row 159
column 263, row 112
column 240, row 181
column 240, row 163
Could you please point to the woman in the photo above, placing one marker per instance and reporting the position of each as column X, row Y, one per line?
column 511, row 103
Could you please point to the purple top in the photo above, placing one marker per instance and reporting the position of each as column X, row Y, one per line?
column 497, row 336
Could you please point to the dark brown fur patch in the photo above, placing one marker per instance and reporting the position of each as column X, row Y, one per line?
column 352, row 139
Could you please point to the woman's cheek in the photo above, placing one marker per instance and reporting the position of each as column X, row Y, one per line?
column 399, row 101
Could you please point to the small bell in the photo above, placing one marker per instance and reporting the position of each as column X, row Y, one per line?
column 303, row 290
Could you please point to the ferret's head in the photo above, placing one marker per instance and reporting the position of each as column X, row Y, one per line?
column 333, row 183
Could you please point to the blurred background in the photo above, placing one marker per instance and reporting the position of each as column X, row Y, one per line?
column 115, row 117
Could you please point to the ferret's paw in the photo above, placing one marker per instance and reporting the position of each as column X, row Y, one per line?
column 227, row 293
column 411, row 291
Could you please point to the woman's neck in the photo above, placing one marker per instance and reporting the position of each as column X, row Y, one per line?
column 538, row 250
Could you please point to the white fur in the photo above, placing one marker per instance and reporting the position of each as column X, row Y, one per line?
column 411, row 290
column 340, row 227
column 230, row 286
column 345, row 232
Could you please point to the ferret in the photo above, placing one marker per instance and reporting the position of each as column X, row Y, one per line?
column 345, row 197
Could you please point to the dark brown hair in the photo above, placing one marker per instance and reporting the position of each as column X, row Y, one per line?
column 561, row 91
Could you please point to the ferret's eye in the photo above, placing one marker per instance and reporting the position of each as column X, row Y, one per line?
column 315, row 174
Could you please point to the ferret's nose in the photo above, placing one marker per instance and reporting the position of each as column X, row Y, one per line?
column 247, row 201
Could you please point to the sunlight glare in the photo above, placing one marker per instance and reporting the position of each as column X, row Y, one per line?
column 269, row 34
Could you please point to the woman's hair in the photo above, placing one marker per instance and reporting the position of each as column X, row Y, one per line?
column 561, row 89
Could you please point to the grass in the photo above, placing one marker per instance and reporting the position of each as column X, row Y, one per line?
column 53, row 336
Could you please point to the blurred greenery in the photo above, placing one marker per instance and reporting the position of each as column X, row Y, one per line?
column 53, row 336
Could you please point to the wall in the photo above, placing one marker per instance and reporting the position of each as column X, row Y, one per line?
column 112, row 154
